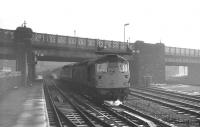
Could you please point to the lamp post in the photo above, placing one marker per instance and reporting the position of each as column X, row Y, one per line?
column 74, row 33
column 124, row 29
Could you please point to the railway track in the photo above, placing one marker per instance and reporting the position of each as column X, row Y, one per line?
column 150, row 120
column 134, row 115
column 73, row 107
column 105, row 116
column 53, row 117
column 191, row 98
column 70, row 114
column 180, row 106
column 97, row 117
column 171, row 99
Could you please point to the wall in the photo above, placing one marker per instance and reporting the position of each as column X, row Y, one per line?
column 147, row 61
column 9, row 81
column 193, row 74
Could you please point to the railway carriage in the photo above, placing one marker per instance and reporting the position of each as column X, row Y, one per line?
column 104, row 78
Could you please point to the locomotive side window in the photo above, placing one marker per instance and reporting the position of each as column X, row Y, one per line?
column 102, row 67
column 123, row 67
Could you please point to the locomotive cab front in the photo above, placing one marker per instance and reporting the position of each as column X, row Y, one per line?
column 112, row 78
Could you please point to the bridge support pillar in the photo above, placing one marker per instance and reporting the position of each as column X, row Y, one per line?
column 24, row 63
column 21, row 63
column 31, row 66
column 148, row 61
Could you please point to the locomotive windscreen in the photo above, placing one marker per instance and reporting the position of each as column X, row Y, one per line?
column 112, row 62
column 103, row 67
column 123, row 67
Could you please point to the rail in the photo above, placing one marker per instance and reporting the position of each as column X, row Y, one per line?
column 74, row 117
column 56, row 120
column 165, row 103
column 101, row 115
column 157, row 121
column 173, row 94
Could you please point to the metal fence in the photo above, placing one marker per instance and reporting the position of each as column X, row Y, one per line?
column 174, row 51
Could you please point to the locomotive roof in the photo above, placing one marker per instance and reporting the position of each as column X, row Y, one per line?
column 105, row 58
column 68, row 65
column 110, row 58
column 80, row 63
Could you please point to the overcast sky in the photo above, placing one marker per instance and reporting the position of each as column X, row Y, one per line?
column 173, row 22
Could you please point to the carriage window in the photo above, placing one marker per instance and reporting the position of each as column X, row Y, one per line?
column 102, row 67
column 123, row 67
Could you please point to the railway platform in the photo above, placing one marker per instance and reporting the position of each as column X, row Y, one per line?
column 23, row 107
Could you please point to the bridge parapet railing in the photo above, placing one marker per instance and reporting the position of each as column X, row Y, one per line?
column 108, row 45
column 77, row 42
column 6, row 35
column 174, row 51
column 42, row 39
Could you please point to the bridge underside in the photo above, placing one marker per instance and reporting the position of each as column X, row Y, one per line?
column 60, row 59
column 7, row 56
column 64, row 55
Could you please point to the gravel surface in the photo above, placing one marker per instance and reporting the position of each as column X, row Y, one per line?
column 172, row 116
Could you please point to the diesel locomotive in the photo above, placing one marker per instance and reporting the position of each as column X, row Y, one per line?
column 106, row 78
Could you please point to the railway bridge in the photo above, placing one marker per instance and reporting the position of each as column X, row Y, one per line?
column 146, row 60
